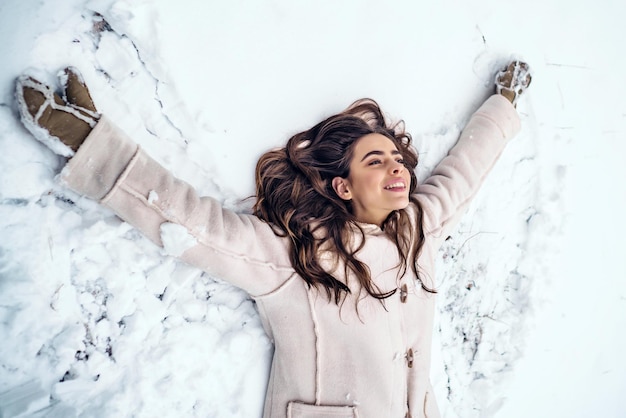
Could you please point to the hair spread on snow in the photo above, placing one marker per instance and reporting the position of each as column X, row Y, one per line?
column 295, row 196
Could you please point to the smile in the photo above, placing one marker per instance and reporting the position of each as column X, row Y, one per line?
column 394, row 186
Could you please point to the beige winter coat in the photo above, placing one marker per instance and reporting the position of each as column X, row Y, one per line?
column 328, row 362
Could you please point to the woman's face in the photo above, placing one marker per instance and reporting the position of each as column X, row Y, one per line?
column 378, row 182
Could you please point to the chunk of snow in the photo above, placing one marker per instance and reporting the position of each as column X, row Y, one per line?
column 176, row 239
column 153, row 196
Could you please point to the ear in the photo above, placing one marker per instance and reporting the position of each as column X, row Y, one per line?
column 340, row 185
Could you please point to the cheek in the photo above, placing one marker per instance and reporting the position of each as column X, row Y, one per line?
column 364, row 180
column 407, row 176
column 374, row 178
column 412, row 184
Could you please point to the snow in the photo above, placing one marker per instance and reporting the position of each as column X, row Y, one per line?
column 96, row 321
column 176, row 238
column 153, row 196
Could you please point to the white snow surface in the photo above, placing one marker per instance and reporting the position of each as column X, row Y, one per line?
column 96, row 321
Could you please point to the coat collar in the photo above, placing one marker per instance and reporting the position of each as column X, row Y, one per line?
column 370, row 229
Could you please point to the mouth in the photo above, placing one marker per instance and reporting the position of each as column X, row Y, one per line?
column 396, row 186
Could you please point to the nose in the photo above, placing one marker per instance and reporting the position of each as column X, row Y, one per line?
column 397, row 167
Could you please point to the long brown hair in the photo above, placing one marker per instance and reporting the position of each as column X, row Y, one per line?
column 295, row 196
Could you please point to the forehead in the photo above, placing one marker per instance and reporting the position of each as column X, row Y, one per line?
column 374, row 142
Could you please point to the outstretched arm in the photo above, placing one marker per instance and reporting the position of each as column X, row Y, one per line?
column 446, row 194
column 109, row 167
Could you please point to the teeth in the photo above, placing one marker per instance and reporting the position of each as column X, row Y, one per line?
column 395, row 185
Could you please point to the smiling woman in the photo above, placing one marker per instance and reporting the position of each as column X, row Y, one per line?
column 378, row 183
column 339, row 218
column 331, row 174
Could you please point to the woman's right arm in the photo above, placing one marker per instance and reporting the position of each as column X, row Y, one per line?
column 241, row 249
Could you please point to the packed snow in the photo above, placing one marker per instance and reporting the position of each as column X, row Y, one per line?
column 97, row 321
column 176, row 239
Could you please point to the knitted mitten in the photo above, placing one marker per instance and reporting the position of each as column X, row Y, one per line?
column 60, row 123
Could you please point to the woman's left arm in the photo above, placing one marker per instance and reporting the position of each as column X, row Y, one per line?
column 446, row 194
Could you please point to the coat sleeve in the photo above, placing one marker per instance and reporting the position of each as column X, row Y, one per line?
column 446, row 194
column 110, row 168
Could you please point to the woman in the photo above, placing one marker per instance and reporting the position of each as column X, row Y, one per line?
column 339, row 253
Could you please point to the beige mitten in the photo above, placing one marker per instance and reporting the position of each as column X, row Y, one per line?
column 60, row 123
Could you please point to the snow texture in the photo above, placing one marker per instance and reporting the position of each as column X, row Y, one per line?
column 97, row 321
column 176, row 238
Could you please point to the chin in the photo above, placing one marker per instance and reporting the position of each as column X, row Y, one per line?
column 403, row 205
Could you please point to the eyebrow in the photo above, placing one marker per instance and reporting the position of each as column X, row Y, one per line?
column 377, row 152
